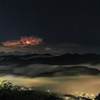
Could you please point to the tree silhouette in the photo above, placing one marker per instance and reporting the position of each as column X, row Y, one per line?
column 6, row 85
column 97, row 97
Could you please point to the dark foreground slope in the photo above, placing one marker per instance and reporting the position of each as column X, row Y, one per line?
column 8, row 92
column 26, row 95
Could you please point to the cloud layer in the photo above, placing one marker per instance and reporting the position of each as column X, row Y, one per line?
column 58, row 78
column 46, row 65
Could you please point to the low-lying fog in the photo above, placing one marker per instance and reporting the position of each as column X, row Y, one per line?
column 69, row 84
column 62, row 84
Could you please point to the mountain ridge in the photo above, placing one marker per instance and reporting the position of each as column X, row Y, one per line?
column 66, row 59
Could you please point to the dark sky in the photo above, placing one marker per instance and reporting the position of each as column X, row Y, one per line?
column 70, row 21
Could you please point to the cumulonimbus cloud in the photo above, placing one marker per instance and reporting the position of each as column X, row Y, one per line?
column 24, row 41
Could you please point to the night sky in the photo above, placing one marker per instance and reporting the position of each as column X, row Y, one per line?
column 55, row 21
column 56, row 27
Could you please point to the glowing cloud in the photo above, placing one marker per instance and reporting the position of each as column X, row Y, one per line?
column 47, row 48
column 24, row 41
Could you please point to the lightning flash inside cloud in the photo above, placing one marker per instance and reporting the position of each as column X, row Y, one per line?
column 24, row 41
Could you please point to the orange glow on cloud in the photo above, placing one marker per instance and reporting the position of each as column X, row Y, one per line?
column 24, row 41
column 47, row 48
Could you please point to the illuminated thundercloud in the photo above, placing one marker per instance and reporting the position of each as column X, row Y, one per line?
column 24, row 41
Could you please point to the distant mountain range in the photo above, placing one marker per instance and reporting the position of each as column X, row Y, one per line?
column 71, row 71
column 66, row 59
column 46, row 65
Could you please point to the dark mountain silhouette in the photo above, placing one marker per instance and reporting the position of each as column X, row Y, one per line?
column 66, row 59
column 71, row 71
column 36, row 65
